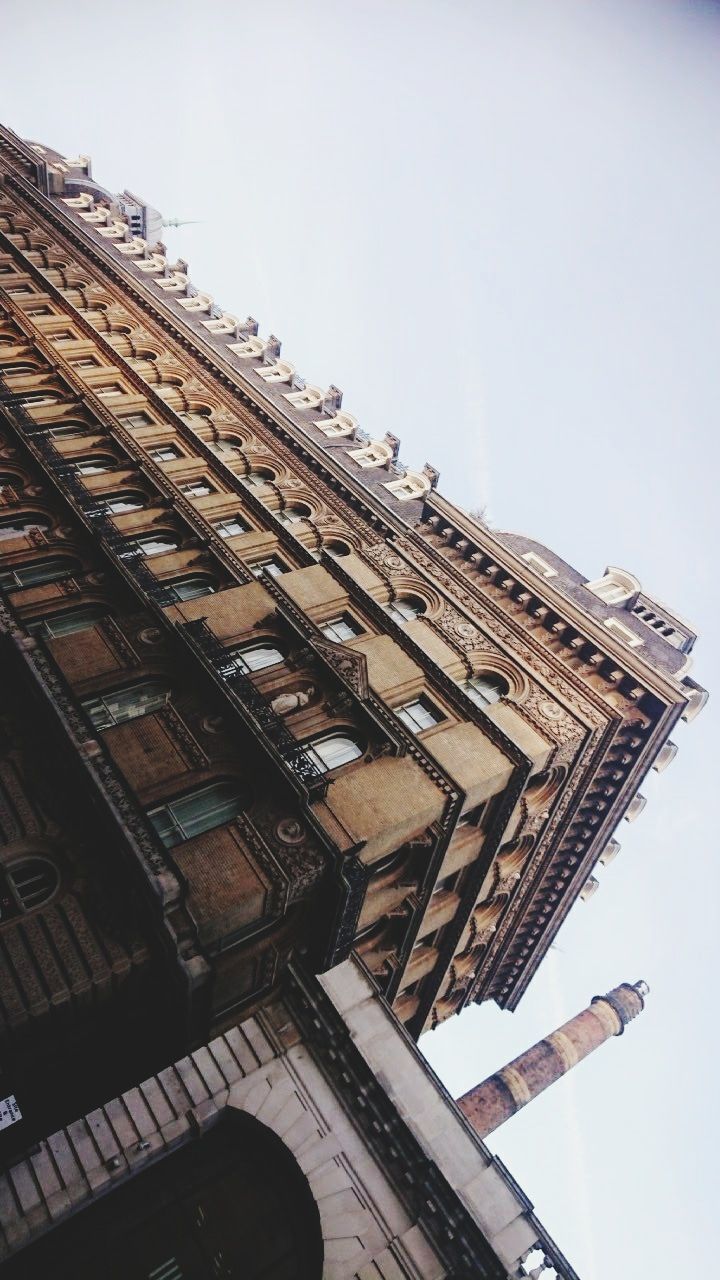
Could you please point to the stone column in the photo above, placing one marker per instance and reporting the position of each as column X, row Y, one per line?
column 494, row 1101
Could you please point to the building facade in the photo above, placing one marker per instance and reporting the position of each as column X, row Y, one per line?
column 272, row 700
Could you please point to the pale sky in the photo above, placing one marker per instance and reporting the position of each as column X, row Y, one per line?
column 495, row 226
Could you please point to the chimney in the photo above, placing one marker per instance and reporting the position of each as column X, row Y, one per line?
column 491, row 1103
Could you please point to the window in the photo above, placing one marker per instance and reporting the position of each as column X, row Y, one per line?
column 404, row 608
column 93, row 466
column 25, row 885
column 190, row 588
column 136, row 420
column 18, row 366
column 155, row 544
column 256, row 657
column 615, row 587
column 230, row 527
column 110, row 389
column 485, row 687
column 87, row 362
column 272, row 567
column 69, row 429
column 258, row 477
column 118, row 503
column 65, row 624
column 64, row 336
column 36, row 398
column 40, row 571
column 342, row 628
column 418, row 715
column 293, row 514
column 336, row 548
column 198, row 811
column 8, row 481
column 21, row 526
column 19, row 289
column 39, row 311
column 198, row 489
column 332, row 751
column 164, row 453
column 108, row 709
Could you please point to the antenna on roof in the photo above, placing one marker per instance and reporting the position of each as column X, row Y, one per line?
column 179, row 222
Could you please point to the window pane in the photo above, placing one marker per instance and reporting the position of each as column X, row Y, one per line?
column 332, row 752
column 272, row 567
column 126, row 704
column 485, row 688
column 418, row 715
column 19, row 527
column 165, row 453
column 231, row 527
column 124, row 502
column 191, row 588
column 402, row 610
column 32, row 881
column 32, row 575
column 93, row 466
column 152, row 546
column 257, row 657
column 64, row 624
column 339, row 629
column 202, row 810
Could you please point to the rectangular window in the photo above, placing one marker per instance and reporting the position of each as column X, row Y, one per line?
column 342, row 628
column 198, row 489
column 39, row 311
column 418, row 715
column 135, row 420
column 110, row 389
column 86, row 363
column 18, row 290
column 64, row 336
column 272, row 566
column 165, row 453
column 231, row 527
column 126, row 704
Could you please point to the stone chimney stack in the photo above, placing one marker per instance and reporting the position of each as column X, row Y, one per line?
column 494, row 1101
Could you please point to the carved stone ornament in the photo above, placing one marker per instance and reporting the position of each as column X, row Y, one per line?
column 385, row 558
column 465, row 633
column 290, row 831
column 349, row 664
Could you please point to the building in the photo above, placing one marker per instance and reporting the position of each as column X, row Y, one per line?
column 273, row 700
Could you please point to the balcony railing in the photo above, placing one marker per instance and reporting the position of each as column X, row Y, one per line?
column 124, row 549
column 254, row 706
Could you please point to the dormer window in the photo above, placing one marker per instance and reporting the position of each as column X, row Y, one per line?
column 615, row 587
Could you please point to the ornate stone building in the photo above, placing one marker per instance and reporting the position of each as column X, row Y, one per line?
column 270, row 699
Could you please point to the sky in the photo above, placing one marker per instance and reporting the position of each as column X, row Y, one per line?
column 495, row 226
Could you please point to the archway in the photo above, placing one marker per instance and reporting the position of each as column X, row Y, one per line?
column 230, row 1205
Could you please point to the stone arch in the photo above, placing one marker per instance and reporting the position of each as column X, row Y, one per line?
column 349, row 1231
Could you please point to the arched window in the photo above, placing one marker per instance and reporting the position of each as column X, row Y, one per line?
column 156, row 544
column 404, row 608
column 336, row 548
column 294, row 513
column 64, row 623
column 8, row 481
column 34, row 399
column 38, row 572
column 256, row 657
column 485, row 687
column 20, row 526
column 332, row 751
column 118, row 503
column 108, row 709
column 197, row 811
column 66, row 429
column 258, row 476
column 93, row 466
column 19, row 366
column 25, row 885
column 191, row 587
